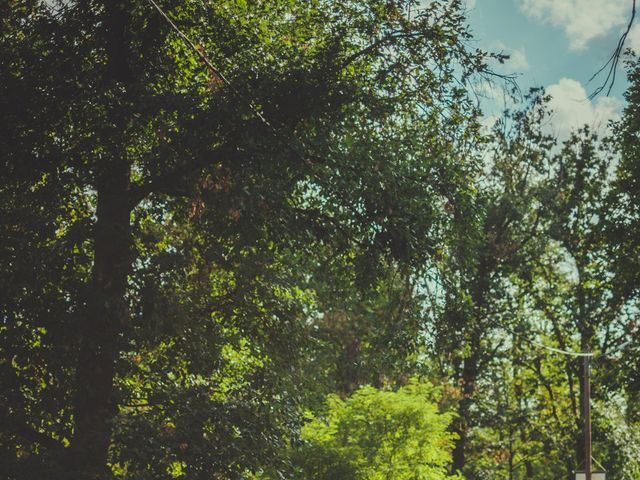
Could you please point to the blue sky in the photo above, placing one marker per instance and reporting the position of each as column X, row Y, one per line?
column 559, row 45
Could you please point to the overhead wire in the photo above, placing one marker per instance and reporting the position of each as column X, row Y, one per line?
column 614, row 59
column 303, row 157
column 568, row 352
column 547, row 347
column 237, row 93
column 559, row 350
column 216, row 71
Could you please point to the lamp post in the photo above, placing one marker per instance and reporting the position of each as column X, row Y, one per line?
column 588, row 474
column 587, row 419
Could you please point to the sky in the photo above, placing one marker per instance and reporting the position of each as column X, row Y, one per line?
column 558, row 45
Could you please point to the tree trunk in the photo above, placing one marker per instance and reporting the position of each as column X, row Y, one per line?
column 586, row 336
column 107, row 312
column 461, row 424
column 95, row 405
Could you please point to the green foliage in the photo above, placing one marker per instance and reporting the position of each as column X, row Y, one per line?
column 163, row 243
column 182, row 279
column 538, row 269
column 377, row 434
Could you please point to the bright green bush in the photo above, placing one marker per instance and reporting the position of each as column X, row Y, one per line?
column 379, row 435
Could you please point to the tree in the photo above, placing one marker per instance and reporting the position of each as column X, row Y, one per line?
column 536, row 272
column 494, row 245
column 587, row 305
column 561, row 292
column 379, row 435
column 156, row 183
column 622, row 231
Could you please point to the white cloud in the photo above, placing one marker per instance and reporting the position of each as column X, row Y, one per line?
column 518, row 60
column 582, row 20
column 572, row 108
column 633, row 39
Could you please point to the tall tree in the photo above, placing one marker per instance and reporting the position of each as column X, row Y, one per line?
column 623, row 229
column 156, row 163
column 494, row 245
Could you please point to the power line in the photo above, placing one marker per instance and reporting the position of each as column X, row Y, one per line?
column 563, row 352
column 216, row 71
column 547, row 347
column 302, row 156
column 614, row 59
column 569, row 352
